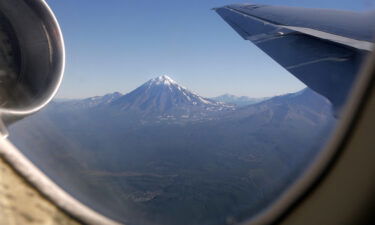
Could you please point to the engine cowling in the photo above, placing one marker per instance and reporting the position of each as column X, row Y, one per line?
column 32, row 58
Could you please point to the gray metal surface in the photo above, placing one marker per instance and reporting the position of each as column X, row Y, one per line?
column 322, row 48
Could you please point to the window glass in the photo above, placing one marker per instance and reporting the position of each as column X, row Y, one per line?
column 167, row 116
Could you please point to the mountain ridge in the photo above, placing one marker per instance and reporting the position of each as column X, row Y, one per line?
column 238, row 100
column 163, row 99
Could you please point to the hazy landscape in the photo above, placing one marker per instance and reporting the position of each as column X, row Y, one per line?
column 162, row 154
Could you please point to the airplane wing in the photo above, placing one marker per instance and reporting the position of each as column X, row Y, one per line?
column 322, row 48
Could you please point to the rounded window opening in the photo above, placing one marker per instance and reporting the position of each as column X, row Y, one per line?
column 166, row 116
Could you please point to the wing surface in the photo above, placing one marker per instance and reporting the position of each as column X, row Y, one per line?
column 322, row 48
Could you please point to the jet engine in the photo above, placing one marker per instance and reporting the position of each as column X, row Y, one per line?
column 31, row 58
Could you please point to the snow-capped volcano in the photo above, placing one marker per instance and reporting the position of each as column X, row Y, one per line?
column 162, row 95
column 162, row 80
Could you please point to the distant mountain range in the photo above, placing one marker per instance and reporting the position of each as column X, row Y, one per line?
column 162, row 154
column 238, row 100
column 159, row 97
column 164, row 98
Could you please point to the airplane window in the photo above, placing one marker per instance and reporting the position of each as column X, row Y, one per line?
column 174, row 113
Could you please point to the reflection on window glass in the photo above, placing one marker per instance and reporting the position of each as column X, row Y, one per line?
column 215, row 141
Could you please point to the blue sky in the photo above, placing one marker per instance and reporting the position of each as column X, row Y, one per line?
column 116, row 45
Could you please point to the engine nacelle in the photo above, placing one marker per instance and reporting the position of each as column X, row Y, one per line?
column 32, row 58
